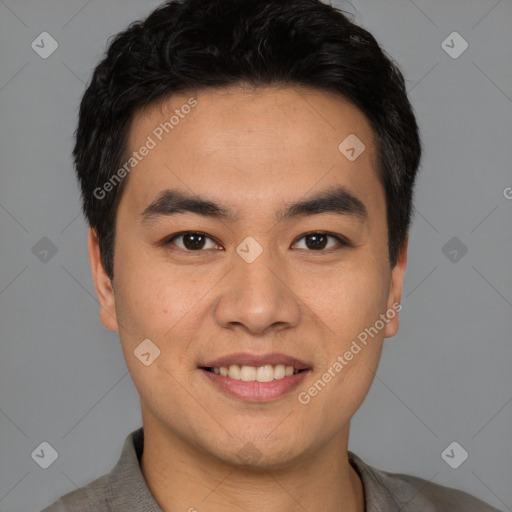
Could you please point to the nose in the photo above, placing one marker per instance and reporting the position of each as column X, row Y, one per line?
column 258, row 297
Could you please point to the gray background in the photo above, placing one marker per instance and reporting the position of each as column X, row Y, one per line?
column 445, row 377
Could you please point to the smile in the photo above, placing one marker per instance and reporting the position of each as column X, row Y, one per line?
column 254, row 390
column 265, row 373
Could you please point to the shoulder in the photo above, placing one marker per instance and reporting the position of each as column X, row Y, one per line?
column 91, row 498
column 124, row 488
column 419, row 494
column 408, row 493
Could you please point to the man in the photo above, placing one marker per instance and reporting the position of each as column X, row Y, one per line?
column 247, row 170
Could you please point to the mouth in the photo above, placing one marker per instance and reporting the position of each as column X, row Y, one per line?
column 265, row 373
column 255, row 378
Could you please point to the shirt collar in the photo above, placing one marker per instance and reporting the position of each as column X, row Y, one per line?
column 126, row 482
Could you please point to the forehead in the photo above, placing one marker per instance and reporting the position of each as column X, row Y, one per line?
column 243, row 144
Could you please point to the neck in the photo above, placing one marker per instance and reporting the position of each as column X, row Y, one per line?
column 183, row 477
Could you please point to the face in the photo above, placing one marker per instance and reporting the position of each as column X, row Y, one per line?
column 280, row 251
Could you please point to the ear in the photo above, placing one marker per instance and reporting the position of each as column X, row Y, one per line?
column 395, row 290
column 102, row 283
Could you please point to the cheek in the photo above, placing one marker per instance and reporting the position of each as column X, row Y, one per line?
column 152, row 297
column 167, row 306
column 349, row 300
column 355, row 301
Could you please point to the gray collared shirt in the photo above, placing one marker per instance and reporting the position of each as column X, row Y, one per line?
column 125, row 490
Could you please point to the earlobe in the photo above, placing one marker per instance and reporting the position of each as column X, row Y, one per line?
column 395, row 290
column 102, row 283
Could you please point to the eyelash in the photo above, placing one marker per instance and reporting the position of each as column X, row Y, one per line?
column 343, row 243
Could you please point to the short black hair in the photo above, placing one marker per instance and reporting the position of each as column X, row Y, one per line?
column 189, row 45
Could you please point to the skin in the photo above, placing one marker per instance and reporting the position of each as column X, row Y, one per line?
column 252, row 150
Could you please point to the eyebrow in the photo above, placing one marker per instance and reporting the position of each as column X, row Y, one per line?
column 335, row 200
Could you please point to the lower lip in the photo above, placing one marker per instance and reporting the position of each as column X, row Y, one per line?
column 256, row 391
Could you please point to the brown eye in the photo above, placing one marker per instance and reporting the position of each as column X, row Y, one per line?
column 192, row 241
column 318, row 241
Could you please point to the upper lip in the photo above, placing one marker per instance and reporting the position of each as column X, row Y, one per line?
column 247, row 359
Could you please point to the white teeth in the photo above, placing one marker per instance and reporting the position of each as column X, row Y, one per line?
column 248, row 373
column 266, row 373
column 234, row 372
column 279, row 371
